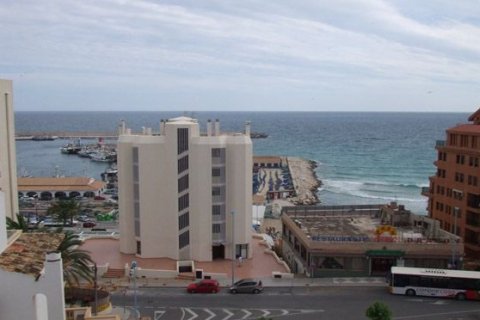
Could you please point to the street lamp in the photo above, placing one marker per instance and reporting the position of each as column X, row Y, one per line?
column 133, row 273
column 95, row 271
column 454, row 242
column 233, row 247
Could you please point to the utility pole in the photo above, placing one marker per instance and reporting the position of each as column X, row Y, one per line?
column 454, row 242
column 95, row 270
column 133, row 272
column 233, row 247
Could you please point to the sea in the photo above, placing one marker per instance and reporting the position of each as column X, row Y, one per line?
column 362, row 157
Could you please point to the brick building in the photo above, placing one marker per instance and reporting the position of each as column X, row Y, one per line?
column 454, row 192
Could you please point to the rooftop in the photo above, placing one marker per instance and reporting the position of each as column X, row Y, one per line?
column 27, row 253
column 63, row 184
column 359, row 223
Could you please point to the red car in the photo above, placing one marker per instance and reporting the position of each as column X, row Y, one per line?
column 204, row 286
column 89, row 224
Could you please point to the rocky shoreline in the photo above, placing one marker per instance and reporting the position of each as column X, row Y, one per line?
column 305, row 181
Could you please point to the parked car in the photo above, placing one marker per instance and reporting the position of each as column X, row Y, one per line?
column 99, row 198
column 204, row 286
column 247, row 286
column 89, row 224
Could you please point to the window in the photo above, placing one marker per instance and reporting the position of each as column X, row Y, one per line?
column 441, row 173
column 459, row 177
column 216, row 172
column 183, row 202
column 460, row 159
column 182, row 164
column 135, row 154
column 453, row 139
column 216, row 191
column 216, row 228
column 472, row 180
column 184, row 240
column 463, row 140
column 183, row 183
column 182, row 140
column 216, row 210
column 473, row 162
column 183, row 221
column 139, row 247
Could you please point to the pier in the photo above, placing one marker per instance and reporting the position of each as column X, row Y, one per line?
column 52, row 135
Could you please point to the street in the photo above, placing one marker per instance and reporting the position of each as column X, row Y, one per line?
column 347, row 303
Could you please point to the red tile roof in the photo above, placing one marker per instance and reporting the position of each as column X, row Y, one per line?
column 27, row 254
column 59, row 184
column 466, row 128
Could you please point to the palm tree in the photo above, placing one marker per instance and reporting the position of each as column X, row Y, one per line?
column 64, row 210
column 76, row 262
column 20, row 224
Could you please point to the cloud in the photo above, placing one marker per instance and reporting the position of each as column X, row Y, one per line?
column 275, row 50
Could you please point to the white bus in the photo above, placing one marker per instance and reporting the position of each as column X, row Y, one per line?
column 456, row 284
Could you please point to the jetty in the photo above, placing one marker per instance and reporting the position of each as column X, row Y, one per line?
column 89, row 135
column 305, row 181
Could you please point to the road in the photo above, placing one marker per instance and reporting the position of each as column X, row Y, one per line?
column 322, row 303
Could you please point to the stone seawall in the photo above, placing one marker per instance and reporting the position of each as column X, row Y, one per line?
column 304, row 180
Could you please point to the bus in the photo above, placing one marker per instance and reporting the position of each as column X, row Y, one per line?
column 457, row 284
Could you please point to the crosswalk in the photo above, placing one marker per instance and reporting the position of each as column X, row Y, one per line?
column 359, row 280
column 195, row 313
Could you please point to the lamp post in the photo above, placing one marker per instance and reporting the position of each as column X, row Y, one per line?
column 133, row 272
column 454, row 242
column 233, row 247
column 95, row 271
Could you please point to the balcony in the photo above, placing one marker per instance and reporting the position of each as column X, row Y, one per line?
column 426, row 191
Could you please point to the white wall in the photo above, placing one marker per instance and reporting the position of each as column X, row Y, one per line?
column 3, row 225
column 159, row 195
column 18, row 290
column 8, row 165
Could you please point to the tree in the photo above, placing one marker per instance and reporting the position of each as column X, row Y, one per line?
column 20, row 224
column 64, row 210
column 379, row 311
column 76, row 262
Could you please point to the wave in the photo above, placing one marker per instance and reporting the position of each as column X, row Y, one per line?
column 357, row 189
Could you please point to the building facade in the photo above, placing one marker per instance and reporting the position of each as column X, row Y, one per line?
column 363, row 240
column 454, row 192
column 8, row 169
column 185, row 195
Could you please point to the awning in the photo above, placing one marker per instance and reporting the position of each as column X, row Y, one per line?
column 385, row 253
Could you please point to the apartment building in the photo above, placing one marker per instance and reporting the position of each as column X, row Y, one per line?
column 454, row 192
column 8, row 169
column 183, row 194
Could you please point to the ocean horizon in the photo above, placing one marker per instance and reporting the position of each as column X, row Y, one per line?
column 362, row 157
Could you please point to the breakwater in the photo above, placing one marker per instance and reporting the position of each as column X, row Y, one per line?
column 305, row 181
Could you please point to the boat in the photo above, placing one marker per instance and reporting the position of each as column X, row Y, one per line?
column 44, row 138
column 71, row 148
column 103, row 156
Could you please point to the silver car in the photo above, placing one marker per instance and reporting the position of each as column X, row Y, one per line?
column 247, row 286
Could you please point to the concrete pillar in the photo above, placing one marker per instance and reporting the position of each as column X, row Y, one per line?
column 217, row 127
column 209, row 127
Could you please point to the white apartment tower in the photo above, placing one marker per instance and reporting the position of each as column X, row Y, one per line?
column 185, row 195
column 8, row 169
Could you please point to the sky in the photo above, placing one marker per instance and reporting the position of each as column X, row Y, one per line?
column 243, row 55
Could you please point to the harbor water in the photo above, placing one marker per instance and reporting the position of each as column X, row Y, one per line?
column 362, row 158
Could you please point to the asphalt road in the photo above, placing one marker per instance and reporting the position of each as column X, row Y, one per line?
column 323, row 303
